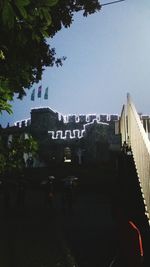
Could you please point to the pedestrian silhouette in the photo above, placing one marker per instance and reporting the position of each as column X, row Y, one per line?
column 68, row 194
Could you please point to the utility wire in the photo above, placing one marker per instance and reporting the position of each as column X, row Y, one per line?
column 113, row 2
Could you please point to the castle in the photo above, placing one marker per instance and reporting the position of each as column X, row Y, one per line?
column 76, row 138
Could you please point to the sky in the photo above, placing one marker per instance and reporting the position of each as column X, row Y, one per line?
column 108, row 55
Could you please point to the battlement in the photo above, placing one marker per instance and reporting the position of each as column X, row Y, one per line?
column 23, row 123
column 67, row 134
column 52, row 121
column 73, row 134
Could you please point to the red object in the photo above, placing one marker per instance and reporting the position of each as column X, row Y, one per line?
column 130, row 249
column 139, row 237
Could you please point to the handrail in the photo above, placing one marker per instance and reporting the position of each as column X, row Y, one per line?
column 140, row 146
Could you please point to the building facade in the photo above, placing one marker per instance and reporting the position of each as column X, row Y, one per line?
column 76, row 138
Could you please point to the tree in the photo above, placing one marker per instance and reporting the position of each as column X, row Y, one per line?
column 24, row 51
column 3, row 156
column 12, row 153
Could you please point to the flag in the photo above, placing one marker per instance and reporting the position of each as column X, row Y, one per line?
column 46, row 93
column 39, row 91
column 33, row 95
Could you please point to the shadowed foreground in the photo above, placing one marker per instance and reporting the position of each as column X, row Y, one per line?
column 41, row 236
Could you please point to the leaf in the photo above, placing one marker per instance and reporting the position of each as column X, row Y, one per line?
column 22, row 11
column 2, row 56
column 36, row 37
column 44, row 33
column 8, row 15
column 47, row 16
column 50, row 2
column 22, row 2
column 7, row 107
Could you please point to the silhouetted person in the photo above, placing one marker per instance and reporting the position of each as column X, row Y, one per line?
column 125, row 147
column 30, row 162
column 67, row 195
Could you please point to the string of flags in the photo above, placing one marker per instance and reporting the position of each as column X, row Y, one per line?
column 39, row 93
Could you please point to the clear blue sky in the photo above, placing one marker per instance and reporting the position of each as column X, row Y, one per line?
column 108, row 55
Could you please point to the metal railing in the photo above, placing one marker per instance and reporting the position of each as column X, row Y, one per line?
column 132, row 132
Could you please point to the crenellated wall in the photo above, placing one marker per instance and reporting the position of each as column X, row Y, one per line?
column 90, row 133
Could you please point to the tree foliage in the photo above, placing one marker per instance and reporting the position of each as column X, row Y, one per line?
column 12, row 153
column 24, row 52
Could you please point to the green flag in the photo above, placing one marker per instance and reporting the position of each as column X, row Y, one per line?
column 39, row 91
column 46, row 93
column 33, row 95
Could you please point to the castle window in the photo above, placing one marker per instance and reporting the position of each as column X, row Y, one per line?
column 67, row 154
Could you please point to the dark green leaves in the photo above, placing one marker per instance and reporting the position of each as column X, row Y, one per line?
column 8, row 15
column 24, row 52
column 5, row 96
column 50, row 3
column 12, row 155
